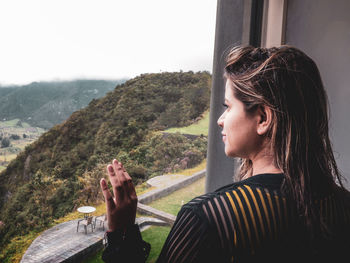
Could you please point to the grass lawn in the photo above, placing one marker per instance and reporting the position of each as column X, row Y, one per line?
column 7, row 157
column 10, row 123
column 198, row 128
column 173, row 202
column 156, row 236
column 13, row 123
column 97, row 258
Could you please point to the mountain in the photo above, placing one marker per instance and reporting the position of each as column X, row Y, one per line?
column 44, row 104
column 61, row 170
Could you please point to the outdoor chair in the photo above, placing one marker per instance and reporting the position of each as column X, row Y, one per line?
column 85, row 222
column 102, row 219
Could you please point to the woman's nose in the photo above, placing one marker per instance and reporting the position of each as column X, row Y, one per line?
column 221, row 120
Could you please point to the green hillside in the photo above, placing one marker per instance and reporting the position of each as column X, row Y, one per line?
column 61, row 170
column 44, row 104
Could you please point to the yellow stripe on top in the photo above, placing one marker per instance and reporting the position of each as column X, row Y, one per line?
column 265, row 211
column 245, row 218
column 279, row 210
column 272, row 211
column 238, row 220
column 230, row 220
column 251, row 214
column 257, row 209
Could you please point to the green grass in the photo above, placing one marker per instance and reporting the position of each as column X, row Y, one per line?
column 10, row 123
column 198, row 128
column 2, row 168
column 156, row 236
column 173, row 202
column 26, row 125
column 8, row 157
column 97, row 258
column 13, row 123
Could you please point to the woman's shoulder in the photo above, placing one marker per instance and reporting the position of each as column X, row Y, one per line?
column 237, row 198
column 239, row 213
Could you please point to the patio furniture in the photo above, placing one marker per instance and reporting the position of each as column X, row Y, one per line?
column 85, row 222
column 102, row 219
column 86, row 210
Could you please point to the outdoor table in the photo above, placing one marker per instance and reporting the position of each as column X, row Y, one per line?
column 86, row 210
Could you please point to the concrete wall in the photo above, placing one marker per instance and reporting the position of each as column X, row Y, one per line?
column 321, row 29
column 229, row 32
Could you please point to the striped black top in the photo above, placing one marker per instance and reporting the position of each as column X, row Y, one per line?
column 252, row 221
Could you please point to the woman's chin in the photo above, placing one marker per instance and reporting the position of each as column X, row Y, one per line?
column 229, row 153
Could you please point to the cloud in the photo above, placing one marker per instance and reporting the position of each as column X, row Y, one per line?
column 44, row 40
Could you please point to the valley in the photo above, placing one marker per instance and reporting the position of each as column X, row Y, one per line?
column 20, row 134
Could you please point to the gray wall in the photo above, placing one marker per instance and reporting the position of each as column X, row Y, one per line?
column 229, row 26
column 322, row 30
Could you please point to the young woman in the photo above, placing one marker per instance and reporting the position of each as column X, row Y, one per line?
column 289, row 205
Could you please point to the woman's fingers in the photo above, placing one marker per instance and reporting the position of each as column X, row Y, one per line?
column 121, row 210
column 114, row 177
column 107, row 195
column 130, row 188
column 121, row 181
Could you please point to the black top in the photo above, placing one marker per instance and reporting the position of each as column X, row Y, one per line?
column 252, row 221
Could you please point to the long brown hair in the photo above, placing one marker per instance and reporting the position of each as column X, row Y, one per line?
column 289, row 83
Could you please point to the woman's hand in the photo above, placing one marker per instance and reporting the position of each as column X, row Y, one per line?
column 121, row 210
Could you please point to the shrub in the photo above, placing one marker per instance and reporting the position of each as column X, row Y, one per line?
column 5, row 142
column 14, row 137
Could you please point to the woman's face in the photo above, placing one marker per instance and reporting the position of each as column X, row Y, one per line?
column 239, row 128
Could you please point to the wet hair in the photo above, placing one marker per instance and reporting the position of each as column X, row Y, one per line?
column 288, row 82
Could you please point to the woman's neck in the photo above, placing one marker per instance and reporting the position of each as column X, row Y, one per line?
column 263, row 162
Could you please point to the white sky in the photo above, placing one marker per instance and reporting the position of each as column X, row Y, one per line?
column 65, row 39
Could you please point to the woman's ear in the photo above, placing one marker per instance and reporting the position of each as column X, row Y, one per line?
column 265, row 119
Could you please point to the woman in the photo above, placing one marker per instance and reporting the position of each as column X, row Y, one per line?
column 289, row 205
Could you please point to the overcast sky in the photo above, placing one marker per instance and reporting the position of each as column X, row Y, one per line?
column 67, row 39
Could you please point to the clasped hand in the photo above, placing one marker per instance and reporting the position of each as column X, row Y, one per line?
column 121, row 209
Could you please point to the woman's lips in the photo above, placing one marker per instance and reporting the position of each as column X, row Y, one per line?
column 223, row 137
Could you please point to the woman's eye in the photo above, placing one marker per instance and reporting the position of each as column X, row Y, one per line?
column 225, row 105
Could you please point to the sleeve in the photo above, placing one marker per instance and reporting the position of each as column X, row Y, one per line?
column 190, row 240
column 126, row 246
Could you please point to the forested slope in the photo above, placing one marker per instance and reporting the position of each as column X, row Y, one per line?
column 62, row 168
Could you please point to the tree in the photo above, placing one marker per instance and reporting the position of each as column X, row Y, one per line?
column 14, row 137
column 5, row 142
column 19, row 123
